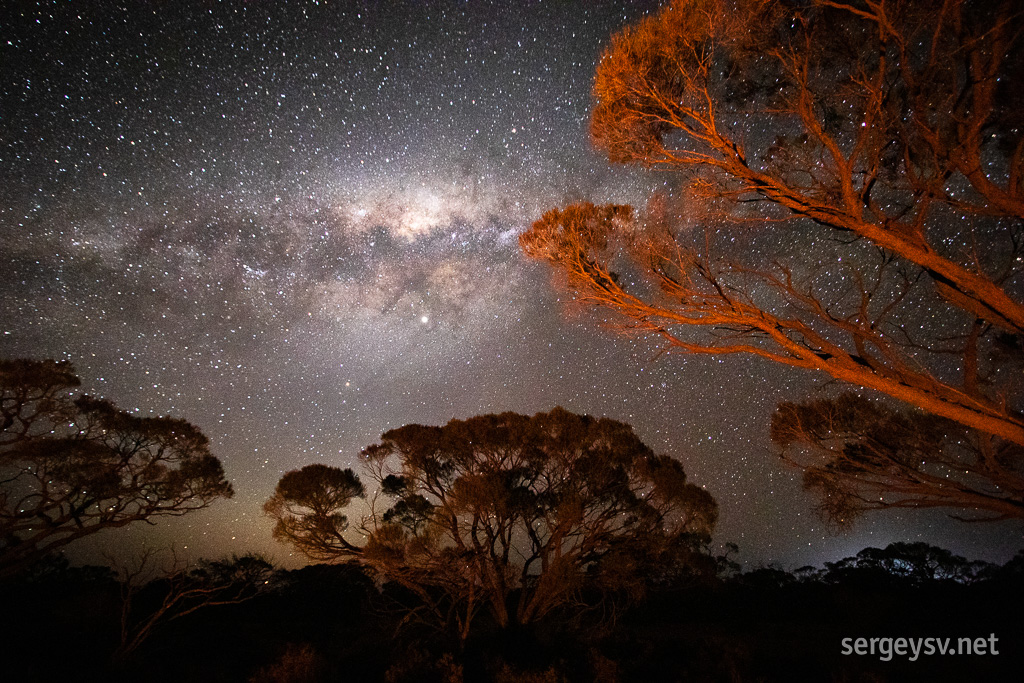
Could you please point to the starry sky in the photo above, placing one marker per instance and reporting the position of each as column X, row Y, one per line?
column 295, row 225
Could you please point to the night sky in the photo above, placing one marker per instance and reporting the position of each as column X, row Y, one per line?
column 295, row 225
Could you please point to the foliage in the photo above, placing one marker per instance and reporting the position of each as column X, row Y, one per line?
column 72, row 466
column 510, row 513
column 891, row 128
column 306, row 504
column 297, row 664
column 913, row 563
column 179, row 591
column 860, row 455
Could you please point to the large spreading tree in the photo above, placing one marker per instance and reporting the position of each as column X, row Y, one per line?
column 887, row 137
column 71, row 466
column 514, row 514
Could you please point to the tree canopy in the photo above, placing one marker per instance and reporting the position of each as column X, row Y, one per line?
column 510, row 513
column 915, row 563
column 71, row 466
column 175, row 592
column 306, row 506
column 888, row 131
column 860, row 455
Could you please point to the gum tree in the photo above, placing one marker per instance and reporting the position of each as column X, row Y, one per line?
column 884, row 136
column 71, row 466
column 509, row 513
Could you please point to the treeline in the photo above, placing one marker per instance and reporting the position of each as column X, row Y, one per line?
column 552, row 547
column 334, row 622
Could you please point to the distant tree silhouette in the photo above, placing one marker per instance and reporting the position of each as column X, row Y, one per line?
column 509, row 513
column 1013, row 570
column 885, row 136
column 916, row 563
column 306, row 506
column 72, row 466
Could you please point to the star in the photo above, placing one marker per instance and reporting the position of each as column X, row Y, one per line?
column 233, row 214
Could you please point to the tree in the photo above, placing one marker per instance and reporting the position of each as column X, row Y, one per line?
column 306, row 506
column 894, row 131
column 889, row 115
column 917, row 563
column 859, row 455
column 178, row 591
column 72, row 466
column 510, row 513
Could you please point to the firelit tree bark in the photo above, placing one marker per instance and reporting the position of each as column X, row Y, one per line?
column 887, row 118
column 673, row 290
column 893, row 128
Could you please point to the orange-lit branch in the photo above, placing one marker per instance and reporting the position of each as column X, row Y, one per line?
column 692, row 293
column 880, row 153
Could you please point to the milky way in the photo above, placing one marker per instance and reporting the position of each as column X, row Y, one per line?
column 295, row 225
